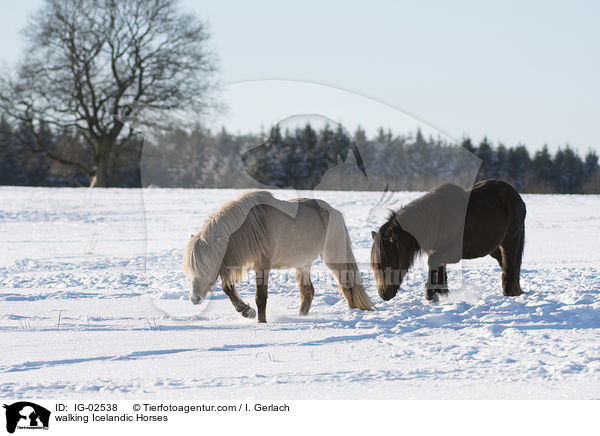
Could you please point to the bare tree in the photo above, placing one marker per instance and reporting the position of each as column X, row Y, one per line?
column 89, row 63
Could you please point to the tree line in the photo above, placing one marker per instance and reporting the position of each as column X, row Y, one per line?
column 202, row 158
column 90, row 67
column 564, row 172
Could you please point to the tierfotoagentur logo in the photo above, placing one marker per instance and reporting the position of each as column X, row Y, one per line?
column 24, row 415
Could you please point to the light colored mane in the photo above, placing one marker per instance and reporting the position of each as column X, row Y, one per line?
column 230, row 239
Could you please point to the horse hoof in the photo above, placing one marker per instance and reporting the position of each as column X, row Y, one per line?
column 432, row 296
column 248, row 312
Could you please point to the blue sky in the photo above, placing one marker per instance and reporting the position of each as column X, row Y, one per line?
column 514, row 71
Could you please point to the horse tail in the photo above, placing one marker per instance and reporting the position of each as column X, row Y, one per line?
column 360, row 297
column 518, row 227
column 515, row 204
column 338, row 255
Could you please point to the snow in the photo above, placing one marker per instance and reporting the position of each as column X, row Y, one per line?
column 107, row 264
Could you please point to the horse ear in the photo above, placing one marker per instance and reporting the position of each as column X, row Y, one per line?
column 373, row 234
column 191, row 236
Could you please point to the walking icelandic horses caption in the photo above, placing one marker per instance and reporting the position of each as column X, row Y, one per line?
column 449, row 224
column 259, row 232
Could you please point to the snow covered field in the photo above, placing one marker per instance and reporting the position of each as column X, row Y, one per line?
column 93, row 304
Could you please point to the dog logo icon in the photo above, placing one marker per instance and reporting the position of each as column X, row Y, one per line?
column 26, row 415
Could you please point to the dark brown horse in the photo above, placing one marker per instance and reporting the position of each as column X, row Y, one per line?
column 449, row 224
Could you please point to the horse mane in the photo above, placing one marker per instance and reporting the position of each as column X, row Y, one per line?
column 230, row 239
column 406, row 245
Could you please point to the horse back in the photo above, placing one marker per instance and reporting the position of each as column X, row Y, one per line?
column 495, row 211
column 297, row 240
column 493, row 190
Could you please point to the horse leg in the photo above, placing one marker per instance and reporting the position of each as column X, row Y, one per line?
column 238, row 303
column 430, row 293
column 437, row 284
column 307, row 290
column 437, row 280
column 262, row 287
column 497, row 254
column 442, row 277
column 511, row 270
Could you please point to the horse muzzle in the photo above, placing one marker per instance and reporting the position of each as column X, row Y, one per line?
column 195, row 299
column 388, row 292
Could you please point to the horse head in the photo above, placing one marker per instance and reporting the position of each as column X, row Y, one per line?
column 201, row 264
column 392, row 254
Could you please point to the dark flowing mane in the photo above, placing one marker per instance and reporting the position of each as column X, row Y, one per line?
column 393, row 246
column 406, row 245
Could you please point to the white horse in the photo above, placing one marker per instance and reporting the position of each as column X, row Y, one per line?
column 259, row 232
